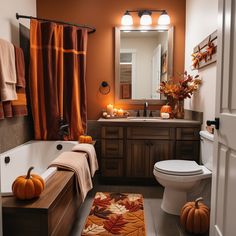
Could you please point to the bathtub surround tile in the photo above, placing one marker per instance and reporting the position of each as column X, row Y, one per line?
column 158, row 223
column 15, row 131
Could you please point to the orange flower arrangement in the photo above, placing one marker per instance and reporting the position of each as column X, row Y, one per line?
column 179, row 89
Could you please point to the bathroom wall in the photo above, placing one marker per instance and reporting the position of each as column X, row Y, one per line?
column 201, row 20
column 14, row 131
column 105, row 15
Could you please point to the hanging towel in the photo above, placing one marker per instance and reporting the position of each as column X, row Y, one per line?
column 1, row 111
column 20, row 67
column 7, row 71
column 6, row 110
column 76, row 162
column 19, row 106
column 92, row 157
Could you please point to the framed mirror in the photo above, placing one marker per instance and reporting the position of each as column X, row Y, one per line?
column 143, row 58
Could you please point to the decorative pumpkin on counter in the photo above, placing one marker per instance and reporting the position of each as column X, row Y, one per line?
column 166, row 109
column 195, row 217
column 85, row 139
column 28, row 186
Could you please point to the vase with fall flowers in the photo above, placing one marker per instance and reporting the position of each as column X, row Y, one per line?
column 177, row 89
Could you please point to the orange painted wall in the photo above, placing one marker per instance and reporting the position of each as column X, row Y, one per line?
column 105, row 15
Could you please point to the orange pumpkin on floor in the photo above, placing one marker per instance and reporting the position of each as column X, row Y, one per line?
column 85, row 139
column 28, row 186
column 195, row 217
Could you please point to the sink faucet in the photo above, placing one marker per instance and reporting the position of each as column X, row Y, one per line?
column 145, row 109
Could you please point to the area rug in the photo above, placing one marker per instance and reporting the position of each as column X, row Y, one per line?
column 116, row 214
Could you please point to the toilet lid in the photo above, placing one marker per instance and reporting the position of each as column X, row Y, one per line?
column 178, row 167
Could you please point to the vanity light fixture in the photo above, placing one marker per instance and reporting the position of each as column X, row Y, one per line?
column 127, row 19
column 145, row 17
column 164, row 19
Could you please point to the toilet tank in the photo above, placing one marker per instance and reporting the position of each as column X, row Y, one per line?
column 206, row 154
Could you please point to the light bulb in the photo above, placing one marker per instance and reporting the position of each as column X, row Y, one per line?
column 127, row 19
column 164, row 19
column 145, row 19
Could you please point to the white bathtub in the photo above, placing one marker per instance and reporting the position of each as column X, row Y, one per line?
column 38, row 154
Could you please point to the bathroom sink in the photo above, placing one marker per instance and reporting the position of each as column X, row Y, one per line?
column 140, row 118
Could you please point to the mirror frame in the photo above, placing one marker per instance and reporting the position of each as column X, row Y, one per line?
column 170, row 30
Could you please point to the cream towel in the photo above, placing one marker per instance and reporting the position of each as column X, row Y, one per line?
column 7, row 72
column 90, row 150
column 76, row 162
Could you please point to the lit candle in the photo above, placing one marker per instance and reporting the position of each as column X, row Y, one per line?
column 120, row 112
column 115, row 111
column 110, row 109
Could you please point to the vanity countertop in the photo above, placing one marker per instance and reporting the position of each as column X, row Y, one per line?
column 143, row 120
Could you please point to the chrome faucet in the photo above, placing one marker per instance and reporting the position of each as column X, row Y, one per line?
column 145, row 109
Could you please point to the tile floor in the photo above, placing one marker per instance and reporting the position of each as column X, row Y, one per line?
column 158, row 223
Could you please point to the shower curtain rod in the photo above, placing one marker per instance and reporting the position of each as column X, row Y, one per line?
column 91, row 29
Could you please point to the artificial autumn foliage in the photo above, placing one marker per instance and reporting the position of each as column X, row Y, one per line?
column 116, row 214
column 181, row 88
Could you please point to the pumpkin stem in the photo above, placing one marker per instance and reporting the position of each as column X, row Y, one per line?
column 28, row 173
column 197, row 201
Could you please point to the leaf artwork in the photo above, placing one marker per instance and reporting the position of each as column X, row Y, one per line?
column 118, row 196
column 134, row 197
column 116, row 214
column 93, row 229
column 102, row 202
column 100, row 212
column 101, row 195
column 131, row 206
column 117, row 208
column 115, row 224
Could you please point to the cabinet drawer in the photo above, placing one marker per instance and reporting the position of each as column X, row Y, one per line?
column 112, row 148
column 187, row 133
column 112, row 168
column 112, row 132
column 187, row 150
column 150, row 133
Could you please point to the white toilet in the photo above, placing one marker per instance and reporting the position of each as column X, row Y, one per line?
column 180, row 176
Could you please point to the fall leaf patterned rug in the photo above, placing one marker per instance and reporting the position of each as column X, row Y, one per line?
column 116, row 214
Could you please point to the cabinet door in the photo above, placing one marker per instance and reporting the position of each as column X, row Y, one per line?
column 112, row 148
column 112, row 168
column 137, row 158
column 160, row 150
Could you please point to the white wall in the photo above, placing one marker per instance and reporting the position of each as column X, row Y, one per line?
column 9, row 29
column 201, row 20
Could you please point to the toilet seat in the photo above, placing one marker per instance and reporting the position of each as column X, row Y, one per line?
column 178, row 167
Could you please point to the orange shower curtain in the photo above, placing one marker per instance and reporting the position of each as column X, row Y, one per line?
column 57, row 79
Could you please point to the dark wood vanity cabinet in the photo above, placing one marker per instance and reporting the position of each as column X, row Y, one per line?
column 130, row 150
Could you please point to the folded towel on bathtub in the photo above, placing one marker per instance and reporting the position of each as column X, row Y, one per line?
column 92, row 157
column 76, row 162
